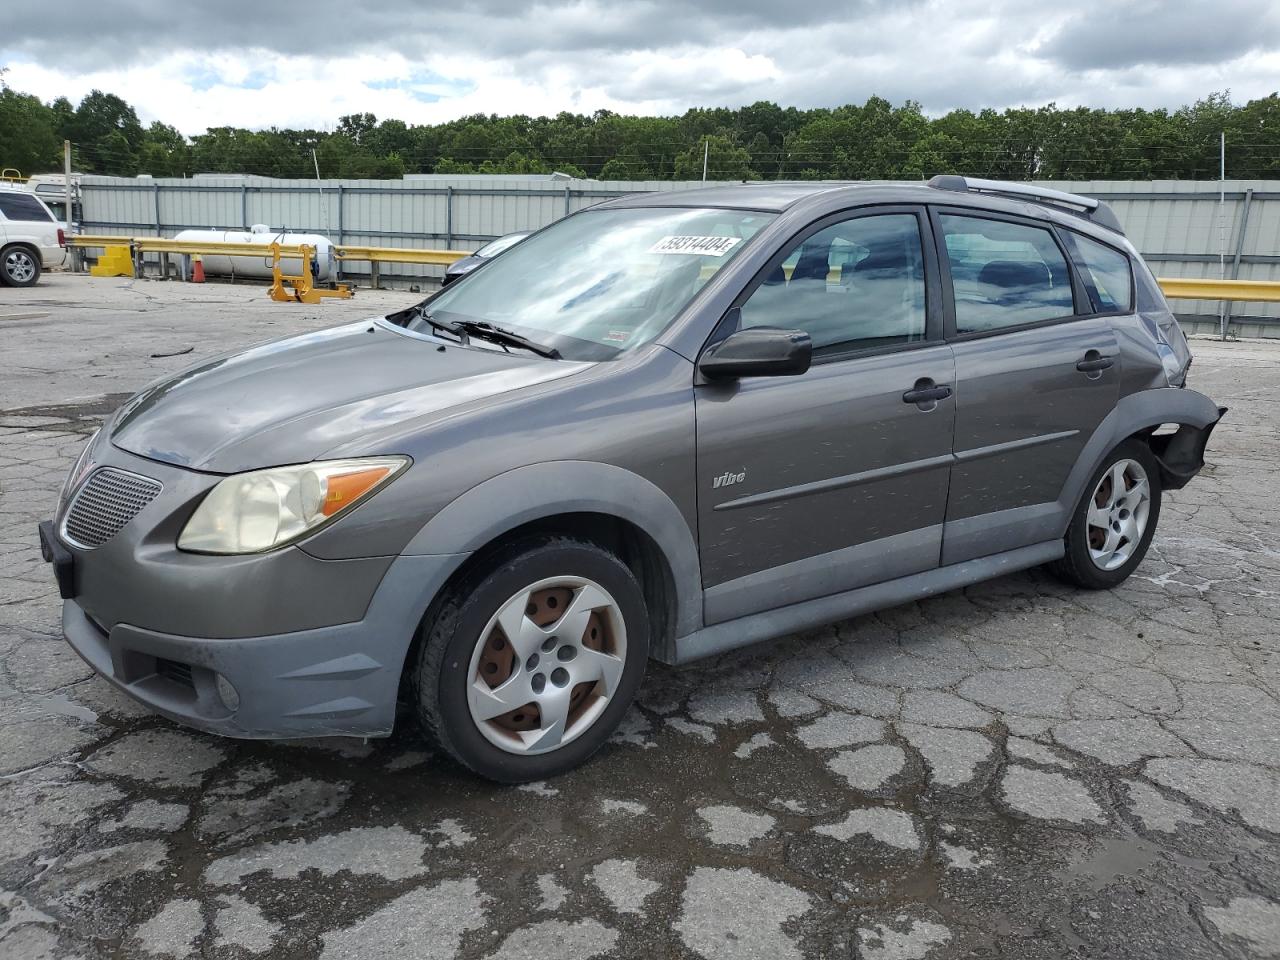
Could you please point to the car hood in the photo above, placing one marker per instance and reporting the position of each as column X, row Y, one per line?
column 292, row 400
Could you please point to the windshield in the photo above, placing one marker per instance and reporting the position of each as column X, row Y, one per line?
column 495, row 247
column 601, row 282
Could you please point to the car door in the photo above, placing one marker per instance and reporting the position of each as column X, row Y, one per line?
column 814, row 484
column 1036, row 372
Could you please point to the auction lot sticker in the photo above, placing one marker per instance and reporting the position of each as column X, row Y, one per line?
column 699, row 246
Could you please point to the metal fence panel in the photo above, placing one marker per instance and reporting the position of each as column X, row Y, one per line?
column 1176, row 224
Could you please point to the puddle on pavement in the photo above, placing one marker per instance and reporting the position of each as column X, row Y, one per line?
column 83, row 414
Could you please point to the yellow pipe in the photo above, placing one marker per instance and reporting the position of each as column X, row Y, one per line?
column 399, row 255
column 1191, row 288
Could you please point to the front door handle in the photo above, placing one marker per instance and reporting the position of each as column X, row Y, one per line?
column 926, row 393
column 1094, row 362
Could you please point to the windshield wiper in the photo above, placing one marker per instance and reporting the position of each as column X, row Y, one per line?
column 444, row 325
column 487, row 331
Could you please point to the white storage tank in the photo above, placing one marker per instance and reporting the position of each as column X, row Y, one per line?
column 223, row 266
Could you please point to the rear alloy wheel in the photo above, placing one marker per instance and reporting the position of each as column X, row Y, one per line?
column 1115, row 520
column 529, row 664
column 1117, row 515
column 19, row 267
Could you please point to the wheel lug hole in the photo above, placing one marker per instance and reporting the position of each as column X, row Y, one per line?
column 560, row 676
column 532, row 663
column 549, row 644
column 539, row 682
column 567, row 653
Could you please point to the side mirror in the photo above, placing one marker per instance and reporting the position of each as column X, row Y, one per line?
column 758, row 352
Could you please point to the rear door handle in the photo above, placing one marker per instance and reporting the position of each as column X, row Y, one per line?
column 926, row 391
column 1094, row 362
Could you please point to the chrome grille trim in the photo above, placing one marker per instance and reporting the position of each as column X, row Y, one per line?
column 108, row 500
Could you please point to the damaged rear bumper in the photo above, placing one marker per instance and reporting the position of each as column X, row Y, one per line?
column 1181, row 454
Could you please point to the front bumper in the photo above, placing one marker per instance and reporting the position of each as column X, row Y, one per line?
column 272, row 645
column 341, row 680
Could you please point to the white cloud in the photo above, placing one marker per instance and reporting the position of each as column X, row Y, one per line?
column 647, row 56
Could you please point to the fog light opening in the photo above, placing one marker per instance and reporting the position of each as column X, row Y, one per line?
column 230, row 699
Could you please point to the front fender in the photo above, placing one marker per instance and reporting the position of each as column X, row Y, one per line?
column 1180, row 459
column 540, row 490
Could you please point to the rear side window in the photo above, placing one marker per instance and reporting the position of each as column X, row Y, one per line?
column 1106, row 273
column 21, row 206
column 1004, row 274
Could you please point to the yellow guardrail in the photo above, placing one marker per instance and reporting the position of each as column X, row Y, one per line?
column 90, row 240
column 189, row 247
column 193, row 247
column 400, row 255
column 373, row 255
column 1189, row 288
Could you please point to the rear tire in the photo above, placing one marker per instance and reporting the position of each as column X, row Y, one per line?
column 1114, row 521
column 528, row 664
column 19, row 267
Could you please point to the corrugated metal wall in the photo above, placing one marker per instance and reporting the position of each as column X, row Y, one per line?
column 1174, row 223
column 455, row 213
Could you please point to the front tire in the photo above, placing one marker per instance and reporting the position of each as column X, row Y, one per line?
column 528, row 664
column 19, row 267
column 1114, row 521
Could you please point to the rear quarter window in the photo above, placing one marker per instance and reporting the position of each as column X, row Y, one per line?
column 21, row 206
column 1106, row 272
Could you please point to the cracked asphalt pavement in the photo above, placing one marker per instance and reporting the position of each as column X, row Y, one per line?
column 1018, row 769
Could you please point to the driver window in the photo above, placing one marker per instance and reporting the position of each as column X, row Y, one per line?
column 856, row 284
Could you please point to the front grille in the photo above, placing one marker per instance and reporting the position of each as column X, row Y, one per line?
column 175, row 671
column 108, row 500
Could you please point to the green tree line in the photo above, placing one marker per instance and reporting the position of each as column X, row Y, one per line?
column 872, row 140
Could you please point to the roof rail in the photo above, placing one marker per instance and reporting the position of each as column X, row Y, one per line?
column 1093, row 210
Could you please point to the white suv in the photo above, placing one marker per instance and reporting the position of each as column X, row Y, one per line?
column 30, row 238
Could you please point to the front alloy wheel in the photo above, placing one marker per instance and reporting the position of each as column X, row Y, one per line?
column 546, row 665
column 527, row 664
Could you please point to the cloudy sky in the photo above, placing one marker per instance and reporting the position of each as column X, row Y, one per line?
column 260, row 64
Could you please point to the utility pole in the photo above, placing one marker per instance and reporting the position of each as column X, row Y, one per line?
column 324, row 207
column 706, row 152
column 66, row 174
column 1222, row 227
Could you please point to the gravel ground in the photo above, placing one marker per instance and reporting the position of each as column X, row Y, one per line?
column 1014, row 770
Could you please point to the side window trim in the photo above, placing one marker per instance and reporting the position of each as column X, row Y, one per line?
column 932, row 278
column 950, row 332
column 1069, row 238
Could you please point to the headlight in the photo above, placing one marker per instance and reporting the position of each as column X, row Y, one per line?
column 76, row 475
column 265, row 509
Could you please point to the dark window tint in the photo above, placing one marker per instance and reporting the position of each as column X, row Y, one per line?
column 1004, row 274
column 854, row 285
column 21, row 206
column 1106, row 274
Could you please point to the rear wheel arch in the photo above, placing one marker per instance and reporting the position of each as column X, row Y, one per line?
column 1137, row 416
